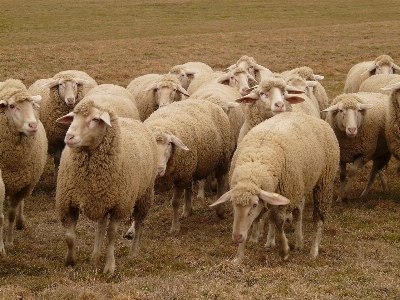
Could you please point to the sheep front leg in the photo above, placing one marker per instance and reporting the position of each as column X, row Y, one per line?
column 98, row 240
column 298, row 219
column 357, row 164
column 2, row 249
column 343, row 172
column 20, row 221
column 111, row 236
column 377, row 166
column 187, row 205
column 240, row 253
column 14, row 208
column 69, row 222
column 176, row 226
column 200, row 190
column 317, row 233
column 220, row 208
column 279, row 222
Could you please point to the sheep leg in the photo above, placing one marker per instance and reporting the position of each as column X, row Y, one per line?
column 357, row 164
column 69, row 222
column 377, row 167
column 256, row 228
column 98, row 240
column 111, row 236
column 2, row 249
column 14, row 208
column 298, row 230
column 220, row 208
column 279, row 222
column 176, row 226
column 56, row 160
column 343, row 172
column 271, row 235
column 317, row 233
column 187, row 205
column 240, row 253
column 200, row 190
column 20, row 221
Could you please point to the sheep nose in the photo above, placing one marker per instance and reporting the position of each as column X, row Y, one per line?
column 237, row 237
column 352, row 130
column 70, row 101
column 33, row 125
column 279, row 104
column 69, row 137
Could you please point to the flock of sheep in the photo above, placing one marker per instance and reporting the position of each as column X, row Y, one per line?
column 251, row 130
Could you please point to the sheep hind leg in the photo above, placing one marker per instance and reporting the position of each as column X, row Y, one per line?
column 2, row 249
column 377, row 167
column 56, row 160
column 317, row 233
column 176, row 226
column 200, row 190
column 279, row 223
column 187, row 205
column 357, row 164
column 69, row 223
column 298, row 220
column 111, row 237
column 98, row 240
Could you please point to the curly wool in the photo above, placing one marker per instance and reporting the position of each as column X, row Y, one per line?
column 392, row 126
column 383, row 60
column 374, row 84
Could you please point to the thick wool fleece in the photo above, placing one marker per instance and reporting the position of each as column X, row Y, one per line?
column 119, row 172
column 374, row 83
column 204, row 128
column 202, row 79
column 53, row 107
column 276, row 155
column 355, row 78
column 370, row 141
column 392, row 127
column 22, row 158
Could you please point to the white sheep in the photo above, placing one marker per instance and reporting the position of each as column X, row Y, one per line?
column 374, row 84
column 248, row 63
column 271, row 169
column 383, row 64
column 59, row 96
column 358, row 120
column 107, row 172
column 152, row 91
column 23, row 148
column 187, row 71
column 269, row 98
column 193, row 140
column 237, row 77
column 2, row 197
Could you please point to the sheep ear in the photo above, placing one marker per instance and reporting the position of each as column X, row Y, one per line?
column 370, row 69
column 181, row 90
column 151, row 87
column 224, row 198
column 258, row 67
column 294, row 98
column 396, row 67
column 231, row 67
column 51, row 84
column 250, row 98
column 67, row 119
column 177, row 142
column 318, row 77
column 391, row 87
column 252, row 78
column 233, row 104
column 273, row 198
column 36, row 98
column 3, row 103
column 366, row 106
column 105, row 116
column 311, row 83
column 81, row 81
column 331, row 108
column 224, row 79
column 191, row 72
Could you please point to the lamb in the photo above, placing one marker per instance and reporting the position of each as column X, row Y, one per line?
column 23, row 149
column 358, row 120
column 250, row 65
column 383, row 64
column 152, row 91
column 187, row 71
column 374, row 84
column 267, row 99
column 237, row 77
column 193, row 141
column 113, row 158
column 271, row 170
column 59, row 95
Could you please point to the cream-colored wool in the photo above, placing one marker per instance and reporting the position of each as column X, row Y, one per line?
column 383, row 64
column 22, row 157
column 375, row 83
column 187, row 71
column 145, row 91
column 392, row 126
column 203, row 79
column 370, row 140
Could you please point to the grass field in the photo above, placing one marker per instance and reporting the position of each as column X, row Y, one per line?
column 115, row 41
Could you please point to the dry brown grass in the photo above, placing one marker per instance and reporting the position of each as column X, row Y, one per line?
column 115, row 41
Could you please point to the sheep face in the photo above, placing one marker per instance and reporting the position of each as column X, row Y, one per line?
column 21, row 113
column 185, row 76
column 165, row 144
column 348, row 115
column 67, row 88
column 167, row 92
column 87, row 129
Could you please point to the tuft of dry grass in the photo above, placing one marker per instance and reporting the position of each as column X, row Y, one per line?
column 115, row 41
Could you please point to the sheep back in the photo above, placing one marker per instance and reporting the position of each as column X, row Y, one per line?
column 374, row 83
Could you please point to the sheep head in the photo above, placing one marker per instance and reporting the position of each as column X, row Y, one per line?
column 237, row 78
column 167, row 90
column 67, row 88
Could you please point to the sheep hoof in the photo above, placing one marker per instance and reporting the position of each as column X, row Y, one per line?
column 109, row 269
column 95, row 259
column 20, row 224
column 129, row 235
column 285, row 257
column 269, row 244
column 2, row 252
column 237, row 260
column 186, row 214
column 175, row 229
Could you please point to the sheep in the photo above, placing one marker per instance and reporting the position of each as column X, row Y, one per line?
column 271, row 170
column 266, row 100
column 152, row 91
column 23, row 148
column 59, row 95
column 193, row 140
column 374, row 84
column 358, row 120
column 115, row 160
column 187, row 71
column 237, row 77
column 120, row 98
column 383, row 64
column 250, row 65
column 2, row 197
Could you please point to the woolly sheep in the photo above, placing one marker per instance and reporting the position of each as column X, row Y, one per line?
column 2, row 197
column 383, row 64
column 358, row 120
column 59, row 95
column 23, row 148
column 113, row 158
column 187, row 71
column 374, row 84
column 272, row 164
column 267, row 99
column 237, row 77
column 152, row 91
column 193, row 141
column 252, row 67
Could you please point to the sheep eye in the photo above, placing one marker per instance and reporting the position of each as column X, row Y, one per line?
column 251, row 67
column 95, row 119
column 254, row 205
column 262, row 94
